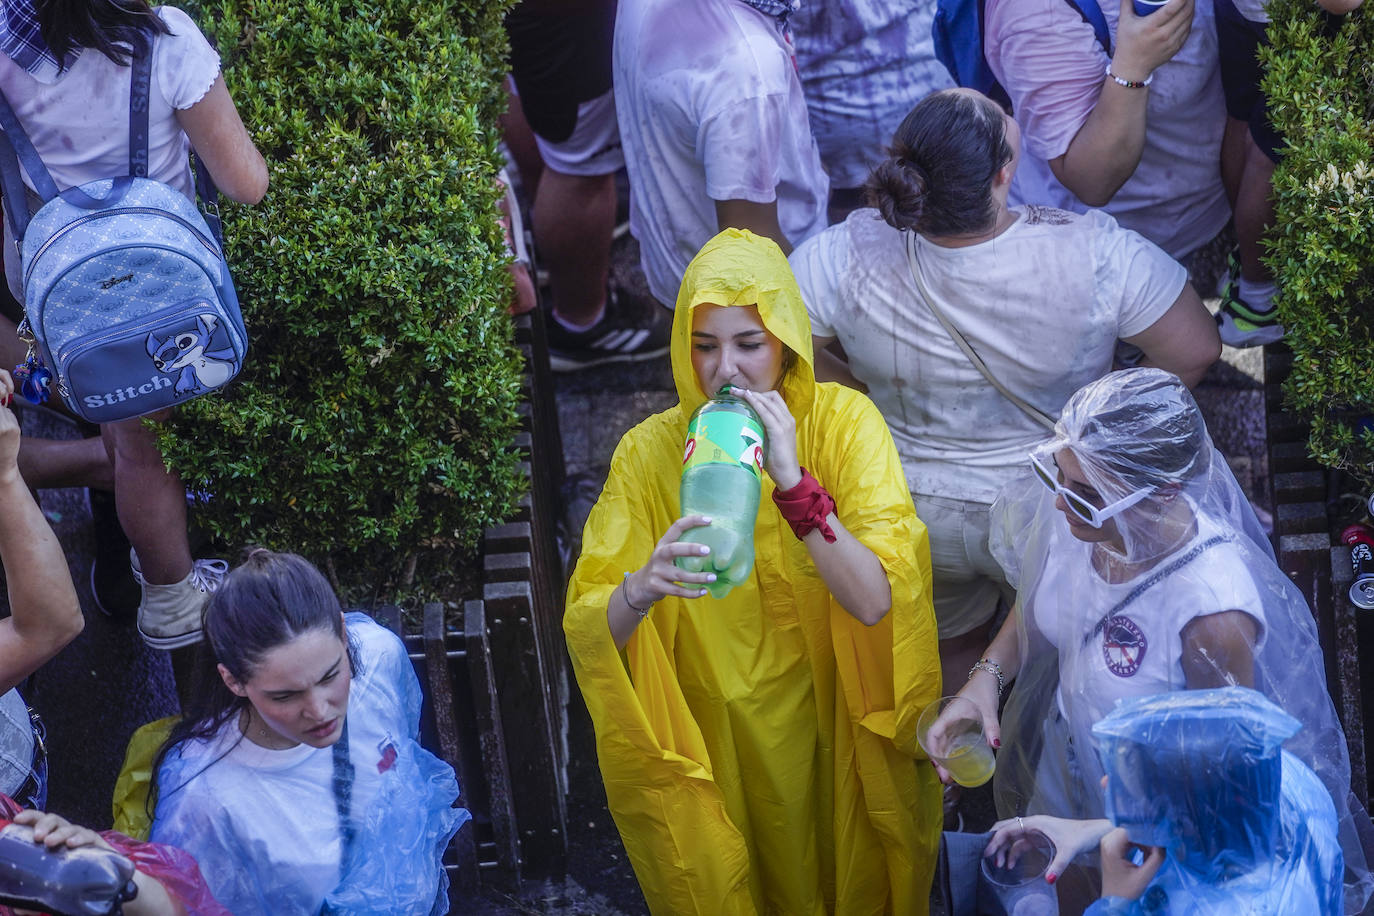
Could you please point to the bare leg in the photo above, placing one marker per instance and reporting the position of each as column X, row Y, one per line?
column 519, row 139
column 65, row 463
column 151, row 501
column 574, row 216
column 1254, row 211
column 1233, row 156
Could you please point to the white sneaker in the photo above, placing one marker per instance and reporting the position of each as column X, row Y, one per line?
column 169, row 616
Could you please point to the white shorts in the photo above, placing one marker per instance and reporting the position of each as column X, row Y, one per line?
column 594, row 147
column 968, row 583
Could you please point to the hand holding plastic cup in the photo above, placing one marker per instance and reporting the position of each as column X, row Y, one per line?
column 1017, row 874
column 950, row 731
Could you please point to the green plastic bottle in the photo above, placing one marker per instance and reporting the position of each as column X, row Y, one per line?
column 722, row 476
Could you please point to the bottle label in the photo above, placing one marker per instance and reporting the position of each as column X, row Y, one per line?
column 724, row 438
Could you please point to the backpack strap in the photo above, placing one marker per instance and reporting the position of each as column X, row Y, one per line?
column 1091, row 11
column 18, row 150
column 140, row 87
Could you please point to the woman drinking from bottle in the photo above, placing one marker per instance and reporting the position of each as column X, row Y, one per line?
column 757, row 749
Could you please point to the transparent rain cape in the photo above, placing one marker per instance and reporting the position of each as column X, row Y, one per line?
column 1187, row 594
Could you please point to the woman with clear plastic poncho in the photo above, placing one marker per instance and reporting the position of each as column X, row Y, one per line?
column 759, row 749
column 1141, row 569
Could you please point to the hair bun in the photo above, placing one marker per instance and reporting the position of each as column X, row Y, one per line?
column 897, row 188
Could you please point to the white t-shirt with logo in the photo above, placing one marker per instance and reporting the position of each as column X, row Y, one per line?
column 1053, row 68
column 1042, row 304
column 710, row 109
column 264, row 824
column 1137, row 650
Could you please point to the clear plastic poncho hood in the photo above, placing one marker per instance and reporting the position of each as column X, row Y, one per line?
column 1178, row 591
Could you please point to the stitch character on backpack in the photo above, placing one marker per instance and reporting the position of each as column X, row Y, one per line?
column 189, row 353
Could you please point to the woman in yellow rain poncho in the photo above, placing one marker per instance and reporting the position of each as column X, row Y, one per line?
column 759, row 751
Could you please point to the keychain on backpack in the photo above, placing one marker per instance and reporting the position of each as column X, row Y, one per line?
column 33, row 377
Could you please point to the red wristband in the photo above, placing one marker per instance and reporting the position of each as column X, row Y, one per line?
column 806, row 506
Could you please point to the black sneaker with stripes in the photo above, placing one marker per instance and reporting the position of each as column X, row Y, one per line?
column 616, row 338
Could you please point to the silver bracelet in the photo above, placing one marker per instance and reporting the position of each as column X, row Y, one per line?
column 644, row 612
column 991, row 667
column 1129, row 84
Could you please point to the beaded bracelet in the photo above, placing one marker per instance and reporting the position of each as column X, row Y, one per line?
column 1129, row 84
column 644, row 612
column 991, row 667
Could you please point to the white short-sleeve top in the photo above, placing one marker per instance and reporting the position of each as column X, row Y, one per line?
column 79, row 122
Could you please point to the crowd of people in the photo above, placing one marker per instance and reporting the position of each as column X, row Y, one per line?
column 969, row 333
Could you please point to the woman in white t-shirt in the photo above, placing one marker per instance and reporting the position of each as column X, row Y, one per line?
column 1041, row 295
column 296, row 778
column 1140, row 569
column 65, row 71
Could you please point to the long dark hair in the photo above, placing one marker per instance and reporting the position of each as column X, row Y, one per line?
column 937, row 178
column 267, row 601
column 112, row 27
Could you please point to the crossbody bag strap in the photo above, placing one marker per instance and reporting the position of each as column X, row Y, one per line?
column 343, row 790
column 1155, row 577
column 1030, row 410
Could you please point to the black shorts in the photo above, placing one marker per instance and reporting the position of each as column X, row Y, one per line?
column 1238, row 44
column 560, row 57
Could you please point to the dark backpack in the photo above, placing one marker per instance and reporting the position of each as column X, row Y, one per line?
column 958, row 35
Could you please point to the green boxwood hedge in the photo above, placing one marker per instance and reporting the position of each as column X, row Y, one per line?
column 373, row 423
column 1320, row 85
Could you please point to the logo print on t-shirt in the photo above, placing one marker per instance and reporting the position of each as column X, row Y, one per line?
column 387, row 748
column 1123, row 646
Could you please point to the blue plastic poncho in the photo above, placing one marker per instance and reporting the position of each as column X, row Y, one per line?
column 1247, row 827
column 263, row 823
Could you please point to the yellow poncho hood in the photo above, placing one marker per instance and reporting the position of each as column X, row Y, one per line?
column 740, row 268
column 759, row 750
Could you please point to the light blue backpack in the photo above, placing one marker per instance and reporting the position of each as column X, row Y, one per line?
column 127, row 297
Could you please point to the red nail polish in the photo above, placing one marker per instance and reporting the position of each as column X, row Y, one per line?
column 996, row 742
column 1051, row 878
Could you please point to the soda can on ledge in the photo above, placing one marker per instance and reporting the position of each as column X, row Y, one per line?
column 1360, row 540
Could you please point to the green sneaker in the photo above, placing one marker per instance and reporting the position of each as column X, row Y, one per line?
column 1240, row 326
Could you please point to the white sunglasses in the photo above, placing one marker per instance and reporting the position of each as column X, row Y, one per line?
column 1080, row 506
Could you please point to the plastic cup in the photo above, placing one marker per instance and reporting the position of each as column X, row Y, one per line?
column 950, row 731
column 1019, row 882
column 1146, row 7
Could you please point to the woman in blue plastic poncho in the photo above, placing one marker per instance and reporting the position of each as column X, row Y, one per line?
column 1229, row 822
column 1140, row 569
column 759, row 750
column 296, row 779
